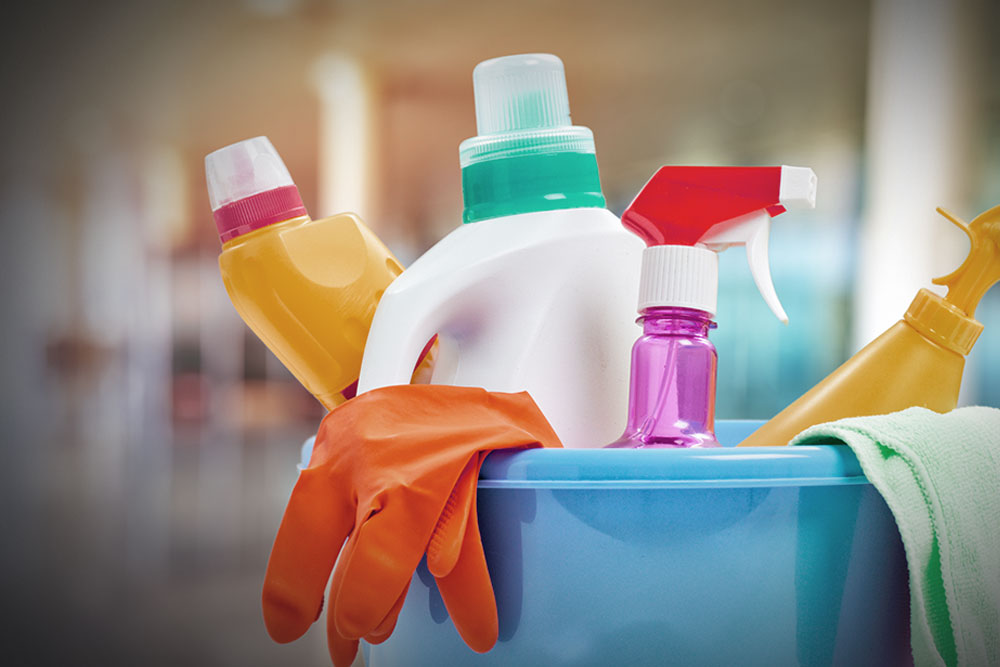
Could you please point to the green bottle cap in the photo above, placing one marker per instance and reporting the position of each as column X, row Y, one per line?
column 527, row 156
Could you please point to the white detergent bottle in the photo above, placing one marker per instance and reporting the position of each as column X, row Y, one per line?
column 535, row 291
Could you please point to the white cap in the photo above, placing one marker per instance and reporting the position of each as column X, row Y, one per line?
column 522, row 92
column 522, row 108
column 243, row 169
column 679, row 276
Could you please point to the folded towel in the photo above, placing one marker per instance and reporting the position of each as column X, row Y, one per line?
column 940, row 477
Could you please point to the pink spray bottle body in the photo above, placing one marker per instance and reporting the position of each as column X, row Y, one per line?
column 672, row 388
column 686, row 215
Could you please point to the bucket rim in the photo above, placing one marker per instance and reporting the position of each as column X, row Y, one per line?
column 726, row 467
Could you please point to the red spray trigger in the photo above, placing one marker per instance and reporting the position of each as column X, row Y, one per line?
column 716, row 207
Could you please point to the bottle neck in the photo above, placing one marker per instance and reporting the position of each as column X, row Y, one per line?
column 942, row 322
column 674, row 321
column 263, row 232
column 530, row 183
column 259, row 210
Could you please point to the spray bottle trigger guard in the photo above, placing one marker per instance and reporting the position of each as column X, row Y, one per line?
column 751, row 230
column 760, row 267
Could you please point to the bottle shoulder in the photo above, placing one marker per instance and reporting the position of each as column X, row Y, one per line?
column 510, row 244
column 336, row 252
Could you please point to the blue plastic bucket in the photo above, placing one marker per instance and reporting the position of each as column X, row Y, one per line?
column 764, row 556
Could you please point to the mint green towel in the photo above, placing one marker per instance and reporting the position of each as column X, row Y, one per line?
column 940, row 476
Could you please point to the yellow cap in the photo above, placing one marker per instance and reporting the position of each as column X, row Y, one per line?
column 942, row 322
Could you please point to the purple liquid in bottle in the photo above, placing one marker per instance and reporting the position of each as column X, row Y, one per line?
column 672, row 390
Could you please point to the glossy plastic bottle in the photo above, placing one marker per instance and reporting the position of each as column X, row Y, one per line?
column 307, row 288
column 534, row 292
column 686, row 215
column 672, row 390
column 916, row 362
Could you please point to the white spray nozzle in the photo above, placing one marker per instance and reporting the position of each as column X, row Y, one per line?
column 797, row 190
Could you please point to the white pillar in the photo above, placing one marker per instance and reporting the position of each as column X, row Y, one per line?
column 918, row 140
column 345, row 136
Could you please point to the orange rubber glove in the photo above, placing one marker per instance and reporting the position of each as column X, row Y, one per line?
column 390, row 470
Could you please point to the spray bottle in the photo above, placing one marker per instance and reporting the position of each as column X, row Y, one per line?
column 686, row 215
column 531, row 293
column 916, row 362
column 307, row 288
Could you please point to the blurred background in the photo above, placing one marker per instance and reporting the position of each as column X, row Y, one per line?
column 150, row 440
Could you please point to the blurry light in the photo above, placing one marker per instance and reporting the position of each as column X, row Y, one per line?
column 345, row 150
column 164, row 190
column 917, row 137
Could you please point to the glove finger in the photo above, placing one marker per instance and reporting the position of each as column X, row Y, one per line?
column 376, row 569
column 305, row 549
column 342, row 650
column 388, row 624
column 446, row 542
column 468, row 592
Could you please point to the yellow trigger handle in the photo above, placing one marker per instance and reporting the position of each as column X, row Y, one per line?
column 981, row 269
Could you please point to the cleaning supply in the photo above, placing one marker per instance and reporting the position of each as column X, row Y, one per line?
column 939, row 474
column 531, row 294
column 307, row 288
column 916, row 362
column 381, row 474
column 686, row 215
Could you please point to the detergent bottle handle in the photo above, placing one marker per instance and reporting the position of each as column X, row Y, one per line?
column 399, row 332
column 751, row 230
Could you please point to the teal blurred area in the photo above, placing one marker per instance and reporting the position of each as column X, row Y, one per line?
column 150, row 440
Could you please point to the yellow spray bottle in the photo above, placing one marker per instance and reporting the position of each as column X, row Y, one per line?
column 307, row 288
column 918, row 361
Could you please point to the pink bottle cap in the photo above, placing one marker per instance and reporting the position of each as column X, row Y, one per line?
column 249, row 187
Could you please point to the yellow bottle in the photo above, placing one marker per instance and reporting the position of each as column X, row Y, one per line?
column 918, row 361
column 307, row 288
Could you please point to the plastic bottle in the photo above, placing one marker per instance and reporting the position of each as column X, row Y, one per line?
column 686, row 215
column 307, row 288
column 918, row 361
column 532, row 292
column 672, row 392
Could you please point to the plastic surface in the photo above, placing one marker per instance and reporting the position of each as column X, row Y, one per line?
column 522, row 106
column 540, row 302
column 244, row 169
column 717, row 207
column 522, row 92
column 776, row 556
column 917, row 362
column 388, row 468
column 249, row 187
column 672, row 390
column 683, row 276
column 544, row 182
column 527, row 155
column 308, row 289
column 981, row 269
